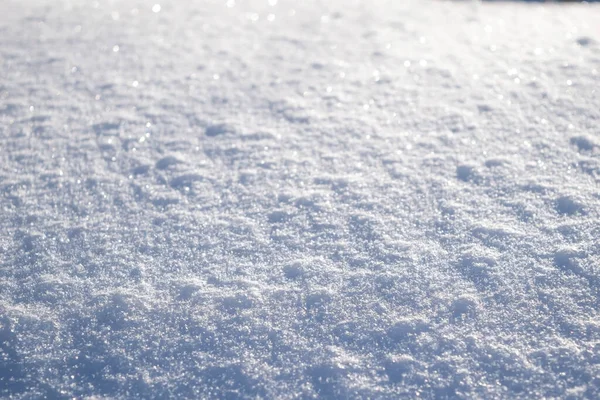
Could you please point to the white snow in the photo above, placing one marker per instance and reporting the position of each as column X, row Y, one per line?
column 297, row 199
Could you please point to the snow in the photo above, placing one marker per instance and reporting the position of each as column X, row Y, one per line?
column 297, row 199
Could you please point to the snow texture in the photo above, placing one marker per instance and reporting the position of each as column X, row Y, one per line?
column 298, row 199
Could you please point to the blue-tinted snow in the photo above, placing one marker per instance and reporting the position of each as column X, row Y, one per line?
column 296, row 199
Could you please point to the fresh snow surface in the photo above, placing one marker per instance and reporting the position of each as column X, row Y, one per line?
column 298, row 199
